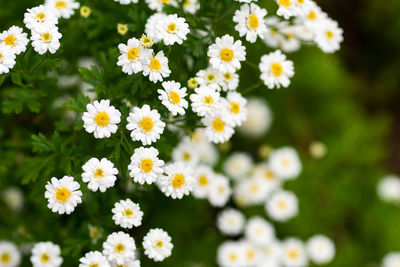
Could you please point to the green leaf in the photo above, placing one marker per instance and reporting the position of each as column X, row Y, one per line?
column 15, row 98
column 41, row 144
column 77, row 104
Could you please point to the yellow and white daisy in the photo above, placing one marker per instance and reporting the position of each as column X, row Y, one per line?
column 290, row 8
column 63, row 194
column 157, row 244
column 127, row 214
column 119, row 248
column 230, row 222
column 226, row 54
column 259, row 118
column 294, row 253
column 264, row 172
column 101, row 119
column 62, row 8
column 46, row 254
column 272, row 36
column 238, row 165
column 234, row 108
column 391, row 259
column 282, row 206
column 220, row 191
column 271, row 254
column 218, row 128
column 313, row 16
column 99, row 174
column 9, row 254
column 203, row 176
column 151, row 27
column 133, row 56
column 328, row 36
column 259, row 231
column 205, row 101
column 126, row 2
column 191, row 6
column 285, row 163
column 7, row 59
column 291, row 41
column 178, row 180
column 39, row 17
column 229, row 81
column 230, row 254
column 208, row 153
column 186, row 153
column 157, row 67
column 320, row 249
column 15, row 39
column 145, row 165
column 93, row 259
column 276, row 70
column 135, row 263
column 46, row 39
column 254, row 189
column 173, row 97
column 173, row 29
column 250, row 21
column 145, row 124
column 252, row 254
column 209, row 77
column 159, row 4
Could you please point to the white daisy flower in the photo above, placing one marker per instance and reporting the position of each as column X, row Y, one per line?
column 321, row 249
column 13, row 197
column 285, row 163
column 62, row 8
column 152, row 26
column 291, row 41
column 39, row 17
column 234, row 108
column 46, row 254
column 238, row 165
column 273, row 36
column 229, row 81
column 389, row 189
column 7, row 59
column 135, row 263
column 157, row 244
column 294, row 253
column 264, row 172
column 15, row 39
column 328, row 36
column 191, row 6
column 218, row 128
column 173, row 97
column 209, row 77
column 250, row 22
column 145, row 124
column 9, row 254
column 255, row 190
column 230, row 254
column 259, row 118
column 252, row 253
column 157, row 68
column 203, row 176
column 289, row 8
column 173, row 29
column 63, row 194
column 391, row 259
column 127, row 214
column 208, row 153
column 271, row 254
column 119, row 248
column 230, row 222
column 145, row 165
column 159, row 4
column 259, row 231
column 205, row 100
column 133, row 56
column 185, row 152
column 282, row 206
column 226, row 54
column 313, row 16
column 126, row 2
column 101, row 119
column 177, row 181
column 220, row 191
column 93, row 258
column 99, row 174
column 276, row 70
column 46, row 39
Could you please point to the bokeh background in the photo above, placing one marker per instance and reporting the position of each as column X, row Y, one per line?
column 348, row 100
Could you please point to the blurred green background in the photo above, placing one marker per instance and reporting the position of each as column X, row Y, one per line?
column 348, row 100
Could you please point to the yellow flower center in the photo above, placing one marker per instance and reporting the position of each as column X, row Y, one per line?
column 285, row 3
column 233, row 257
column 285, row 162
column 146, row 165
column 276, row 69
column 300, row 2
column 40, row 17
column 99, row 173
column 312, row 15
column 119, row 248
column 250, row 254
column 269, row 175
column 155, row 64
column 210, row 77
column 329, row 34
column 208, row 100
column 94, row 265
column 61, row 4
column 128, row 213
column 133, row 53
column 159, row 244
column 5, row 257
column 178, row 181
column 228, row 76
column 102, row 119
column 10, row 40
column 254, row 188
column 235, row 108
column 146, row 124
column 253, row 21
column 122, row 28
column 85, row 11
column 186, row 156
column 44, row 258
column 186, row 3
column 63, row 194
column 203, row 180
column 174, row 98
column 46, row 37
column 171, row 28
column 293, row 254
column 282, row 205
column 218, row 125
column 221, row 189
column 226, row 54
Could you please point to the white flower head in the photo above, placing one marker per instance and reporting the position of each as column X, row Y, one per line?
column 389, row 189
column 321, row 249
column 173, row 29
column 259, row 118
column 152, row 26
column 220, row 191
column 126, row 2
column 282, row 206
column 63, row 194
column 15, row 39
column 186, row 153
column 159, row 4
column 133, row 56
column 145, row 124
column 276, row 70
column 254, row 190
column 230, row 254
column 191, row 6
column 145, row 165
column 264, row 172
column 39, row 17
column 13, row 197
column 99, row 174
column 62, row 8
column 329, row 36
column 177, row 181
column 46, row 39
column 229, row 81
column 234, row 108
column 204, row 177
column 7, row 59
column 173, row 97
column 46, row 254
column 285, row 163
column 294, row 253
column 230, row 222
column 391, row 259
column 289, row 8
column 226, row 54
column 259, row 231
column 93, row 258
column 205, row 100
column 209, row 77
column 157, row 68
column 218, row 128
column 157, row 244
column 127, row 214
column 119, row 248
column 101, row 119
column 250, row 21
column 9, row 254
column 238, row 165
